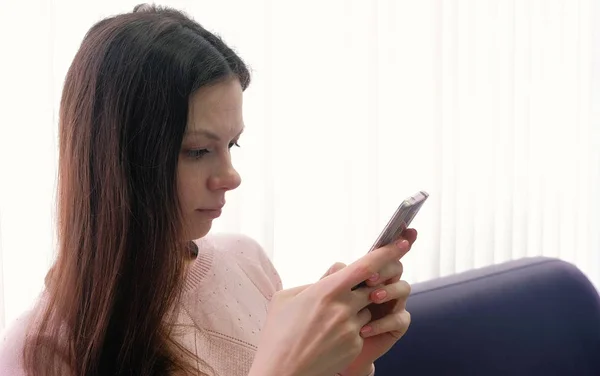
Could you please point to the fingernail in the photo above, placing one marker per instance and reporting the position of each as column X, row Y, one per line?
column 374, row 277
column 402, row 244
column 381, row 294
column 366, row 329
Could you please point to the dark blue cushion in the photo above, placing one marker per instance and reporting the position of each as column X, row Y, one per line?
column 535, row 316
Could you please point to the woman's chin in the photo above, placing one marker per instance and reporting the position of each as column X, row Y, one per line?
column 199, row 230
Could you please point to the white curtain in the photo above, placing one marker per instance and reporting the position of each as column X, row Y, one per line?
column 489, row 105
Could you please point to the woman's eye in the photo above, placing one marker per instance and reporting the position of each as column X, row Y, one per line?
column 197, row 153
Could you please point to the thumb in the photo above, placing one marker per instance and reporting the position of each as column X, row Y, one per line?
column 334, row 269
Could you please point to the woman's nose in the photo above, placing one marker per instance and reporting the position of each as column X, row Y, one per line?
column 227, row 180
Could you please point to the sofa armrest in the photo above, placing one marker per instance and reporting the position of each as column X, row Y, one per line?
column 534, row 316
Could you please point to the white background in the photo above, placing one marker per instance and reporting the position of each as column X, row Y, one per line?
column 490, row 105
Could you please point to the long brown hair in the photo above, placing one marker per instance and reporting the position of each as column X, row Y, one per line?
column 120, row 261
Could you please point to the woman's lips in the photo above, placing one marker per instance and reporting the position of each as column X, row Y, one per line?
column 211, row 213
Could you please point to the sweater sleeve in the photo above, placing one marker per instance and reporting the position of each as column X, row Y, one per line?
column 373, row 371
column 269, row 268
column 370, row 374
column 12, row 342
column 261, row 259
column 251, row 257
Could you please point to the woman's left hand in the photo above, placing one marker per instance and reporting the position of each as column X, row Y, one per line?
column 390, row 320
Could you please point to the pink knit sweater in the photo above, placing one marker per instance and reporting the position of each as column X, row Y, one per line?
column 224, row 306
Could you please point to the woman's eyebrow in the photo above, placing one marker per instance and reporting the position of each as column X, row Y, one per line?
column 208, row 134
column 203, row 132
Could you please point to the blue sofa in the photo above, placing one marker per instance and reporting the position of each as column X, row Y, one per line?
column 534, row 316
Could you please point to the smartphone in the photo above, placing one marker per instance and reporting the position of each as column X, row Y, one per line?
column 399, row 222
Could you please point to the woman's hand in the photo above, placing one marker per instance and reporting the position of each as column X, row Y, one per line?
column 314, row 330
column 389, row 318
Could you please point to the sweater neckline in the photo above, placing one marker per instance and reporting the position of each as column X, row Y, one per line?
column 200, row 267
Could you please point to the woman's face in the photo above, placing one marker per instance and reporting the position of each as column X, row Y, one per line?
column 204, row 171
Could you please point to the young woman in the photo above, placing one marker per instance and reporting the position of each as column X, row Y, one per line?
column 151, row 106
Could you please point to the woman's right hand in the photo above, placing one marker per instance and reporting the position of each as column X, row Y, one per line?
column 314, row 330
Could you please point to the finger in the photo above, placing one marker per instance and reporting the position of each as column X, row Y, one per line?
column 410, row 234
column 364, row 317
column 367, row 266
column 361, row 298
column 395, row 324
column 396, row 291
column 391, row 270
column 334, row 269
column 388, row 271
column 406, row 247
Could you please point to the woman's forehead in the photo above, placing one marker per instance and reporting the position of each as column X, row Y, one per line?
column 216, row 110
